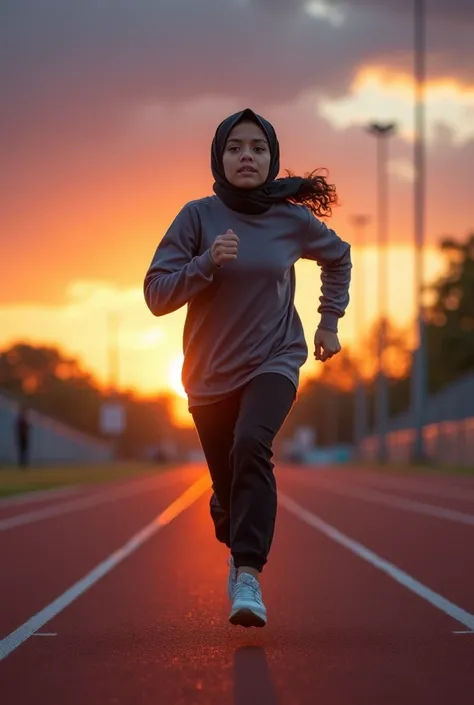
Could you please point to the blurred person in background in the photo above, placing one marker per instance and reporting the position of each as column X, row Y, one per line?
column 22, row 437
column 230, row 258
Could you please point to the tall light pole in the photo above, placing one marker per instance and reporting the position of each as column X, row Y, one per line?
column 382, row 132
column 359, row 223
column 113, row 352
column 419, row 373
column 112, row 414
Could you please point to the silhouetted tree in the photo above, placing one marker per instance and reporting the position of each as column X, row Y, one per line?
column 450, row 317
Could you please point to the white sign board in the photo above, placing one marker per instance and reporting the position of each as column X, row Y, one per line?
column 112, row 418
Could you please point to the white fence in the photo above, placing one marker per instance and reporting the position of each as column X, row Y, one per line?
column 50, row 441
column 448, row 432
column 450, row 442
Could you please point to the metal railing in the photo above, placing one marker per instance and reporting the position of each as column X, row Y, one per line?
column 448, row 429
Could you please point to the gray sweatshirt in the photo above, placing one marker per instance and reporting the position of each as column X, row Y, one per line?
column 241, row 320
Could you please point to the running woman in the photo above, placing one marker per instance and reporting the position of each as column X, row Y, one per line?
column 230, row 258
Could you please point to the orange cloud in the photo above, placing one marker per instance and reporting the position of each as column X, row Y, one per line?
column 383, row 93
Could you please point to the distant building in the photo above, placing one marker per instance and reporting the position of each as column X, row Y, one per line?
column 50, row 442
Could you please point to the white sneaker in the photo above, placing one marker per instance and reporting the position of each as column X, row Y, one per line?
column 248, row 609
column 232, row 579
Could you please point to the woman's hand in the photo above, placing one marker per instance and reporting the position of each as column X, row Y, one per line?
column 326, row 344
column 225, row 248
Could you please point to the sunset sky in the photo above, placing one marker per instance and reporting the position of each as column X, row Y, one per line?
column 108, row 113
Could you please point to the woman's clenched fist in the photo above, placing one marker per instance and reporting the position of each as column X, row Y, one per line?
column 225, row 248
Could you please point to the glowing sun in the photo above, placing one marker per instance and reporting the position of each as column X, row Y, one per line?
column 175, row 377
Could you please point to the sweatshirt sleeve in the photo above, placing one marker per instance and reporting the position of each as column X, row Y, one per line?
column 176, row 274
column 333, row 255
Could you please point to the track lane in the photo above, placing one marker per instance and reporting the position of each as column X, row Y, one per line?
column 155, row 630
column 41, row 560
column 437, row 551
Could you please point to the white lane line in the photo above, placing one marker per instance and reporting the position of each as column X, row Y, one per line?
column 17, row 637
column 441, row 603
column 469, row 631
column 37, row 496
column 102, row 497
column 409, row 505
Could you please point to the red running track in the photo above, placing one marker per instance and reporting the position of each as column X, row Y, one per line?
column 153, row 630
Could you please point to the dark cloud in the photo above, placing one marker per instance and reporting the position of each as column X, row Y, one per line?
column 61, row 58
column 284, row 6
column 71, row 70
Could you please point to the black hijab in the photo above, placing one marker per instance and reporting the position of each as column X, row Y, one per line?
column 260, row 199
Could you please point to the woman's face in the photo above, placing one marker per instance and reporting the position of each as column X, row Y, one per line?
column 246, row 158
